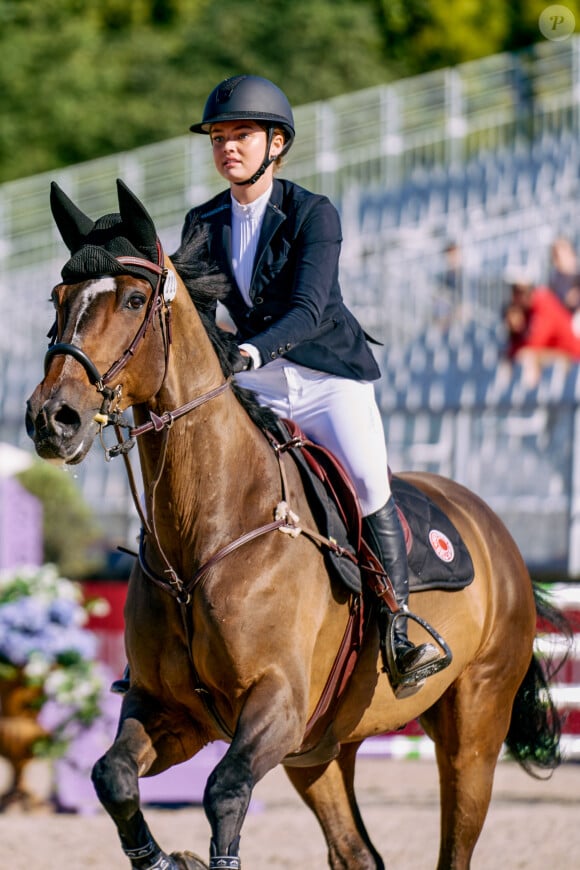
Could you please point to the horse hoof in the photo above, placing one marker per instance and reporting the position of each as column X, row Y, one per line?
column 188, row 861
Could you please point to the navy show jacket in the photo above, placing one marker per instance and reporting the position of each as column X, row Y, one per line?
column 297, row 311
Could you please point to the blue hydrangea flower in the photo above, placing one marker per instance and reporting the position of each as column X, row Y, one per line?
column 42, row 636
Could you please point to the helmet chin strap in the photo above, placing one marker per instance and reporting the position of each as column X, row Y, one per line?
column 265, row 163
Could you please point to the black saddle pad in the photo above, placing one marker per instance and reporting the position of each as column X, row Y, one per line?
column 438, row 558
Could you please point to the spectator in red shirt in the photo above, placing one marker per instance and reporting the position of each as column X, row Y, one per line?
column 540, row 327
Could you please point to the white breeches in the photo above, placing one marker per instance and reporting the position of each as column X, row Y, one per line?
column 338, row 413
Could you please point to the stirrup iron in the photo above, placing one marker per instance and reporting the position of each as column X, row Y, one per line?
column 405, row 684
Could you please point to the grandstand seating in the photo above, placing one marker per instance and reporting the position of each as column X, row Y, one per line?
column 501, row 208
column 453, row 405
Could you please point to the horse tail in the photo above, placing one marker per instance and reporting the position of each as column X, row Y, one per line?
column 533, row 739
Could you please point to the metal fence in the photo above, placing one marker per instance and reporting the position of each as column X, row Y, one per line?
column 485, row 153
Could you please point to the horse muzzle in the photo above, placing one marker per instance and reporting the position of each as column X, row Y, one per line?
column 59, row 431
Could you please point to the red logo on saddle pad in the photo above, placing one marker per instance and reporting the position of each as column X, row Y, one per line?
column 442, row 545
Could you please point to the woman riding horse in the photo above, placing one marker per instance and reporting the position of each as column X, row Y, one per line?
column 232, row 621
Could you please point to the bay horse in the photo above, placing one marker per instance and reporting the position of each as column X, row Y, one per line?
column 232, row 627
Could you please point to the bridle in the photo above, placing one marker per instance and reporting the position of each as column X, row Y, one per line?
column 159, row 303
column 163, row 294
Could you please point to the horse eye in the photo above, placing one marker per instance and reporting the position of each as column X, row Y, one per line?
column 136, row 301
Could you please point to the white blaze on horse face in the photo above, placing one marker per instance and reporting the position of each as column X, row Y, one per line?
column 84, row 298
column 88, row 295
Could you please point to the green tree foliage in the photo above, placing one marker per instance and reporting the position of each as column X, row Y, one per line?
column 426, row 35
column 422, row 35
column 70, row 530
column 523, row 17
column 83, row 79
column 313, row 48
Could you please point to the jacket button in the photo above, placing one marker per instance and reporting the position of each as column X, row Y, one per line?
column 288, row 346
column 280, row 350
column 258, row 300
column 273, row 355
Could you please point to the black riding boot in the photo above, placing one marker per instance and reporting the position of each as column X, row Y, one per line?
column 385, row 535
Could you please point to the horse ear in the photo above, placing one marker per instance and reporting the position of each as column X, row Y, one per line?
column 73, row 224
column 137, row 222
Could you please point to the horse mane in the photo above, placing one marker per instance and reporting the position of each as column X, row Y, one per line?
column 207, row 285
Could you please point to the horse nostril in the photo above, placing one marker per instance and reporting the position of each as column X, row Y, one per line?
column 67, row 417
column 53, row 419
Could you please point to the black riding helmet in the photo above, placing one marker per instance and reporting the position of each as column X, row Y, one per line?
column 255, row 99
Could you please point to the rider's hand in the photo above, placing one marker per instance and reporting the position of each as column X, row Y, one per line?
column 243, row 362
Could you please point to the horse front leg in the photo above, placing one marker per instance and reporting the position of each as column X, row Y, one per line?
column 116, row 780
column 267, row 730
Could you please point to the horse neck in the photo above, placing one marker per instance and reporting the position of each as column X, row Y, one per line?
column 200, row 460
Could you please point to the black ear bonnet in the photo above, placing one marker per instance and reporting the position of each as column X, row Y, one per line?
column 95, row 245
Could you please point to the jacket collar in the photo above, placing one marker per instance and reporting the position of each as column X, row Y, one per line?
column 277, row 197
column 273, row 217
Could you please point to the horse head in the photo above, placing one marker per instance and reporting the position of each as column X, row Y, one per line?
column 110, row 341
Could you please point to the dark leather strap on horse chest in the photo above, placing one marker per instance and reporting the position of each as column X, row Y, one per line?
column 182, row 591
column 348, row 652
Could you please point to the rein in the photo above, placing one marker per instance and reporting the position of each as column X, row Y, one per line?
column 284, row 519
column 166, row 420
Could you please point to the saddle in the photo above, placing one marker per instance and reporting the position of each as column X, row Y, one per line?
column 437, row 555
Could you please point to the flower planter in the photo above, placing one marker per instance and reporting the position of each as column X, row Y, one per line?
column 50, row 681
column 19, row 731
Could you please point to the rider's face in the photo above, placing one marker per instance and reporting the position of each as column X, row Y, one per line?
column 239, row 148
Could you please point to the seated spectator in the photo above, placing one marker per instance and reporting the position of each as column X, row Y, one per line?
column 539, row 326
column 564, row 277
